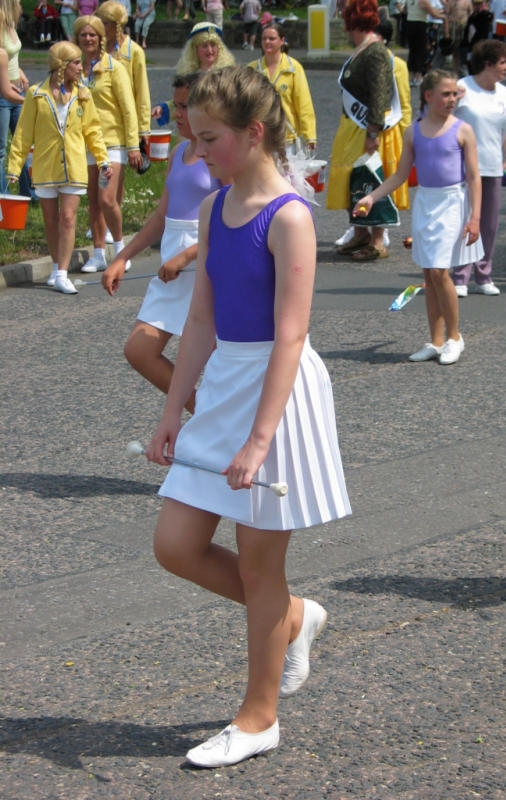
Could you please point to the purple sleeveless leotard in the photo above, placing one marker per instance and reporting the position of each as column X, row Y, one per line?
column 186, row 192
column 439, row 160
column 241, row 269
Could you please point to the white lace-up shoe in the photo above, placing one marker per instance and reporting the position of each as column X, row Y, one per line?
column 94, row 265
column 490, row 289
column 426, row 352
column 296, row 667
column 452, row 351
column 462, row 290
column 64, row 285
column 233, row 745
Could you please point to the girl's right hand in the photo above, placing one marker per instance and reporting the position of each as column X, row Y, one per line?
column 156, row 112
column 161, row 446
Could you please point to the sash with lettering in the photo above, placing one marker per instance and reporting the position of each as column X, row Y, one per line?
column 357, row 111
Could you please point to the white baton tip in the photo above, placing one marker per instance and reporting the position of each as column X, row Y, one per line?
column 279, row 488
column 134, row 448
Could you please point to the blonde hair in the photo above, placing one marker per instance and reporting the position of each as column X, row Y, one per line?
column 200, row 34
column 112, row 11
column 98, row 26
column 10, row 12
column 59, row 55
column 237, row 96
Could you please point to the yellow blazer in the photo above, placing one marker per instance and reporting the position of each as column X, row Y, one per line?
column 59, row 157
column 110, row 85
column 291, row 83
column 131, row 55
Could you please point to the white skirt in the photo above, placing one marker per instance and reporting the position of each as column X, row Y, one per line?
column 438, row 219
column 165, row 305
column 304, row 452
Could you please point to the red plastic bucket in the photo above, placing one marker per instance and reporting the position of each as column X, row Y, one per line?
column 159, row 145
column 315, row 174
column 14, row 208
column 500, row 27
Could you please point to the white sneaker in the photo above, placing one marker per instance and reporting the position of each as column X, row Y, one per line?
column 462, row 290
column 94, row 265
column 490, row 289
column 427, row 352
column 346, row 237
column 48, row 37
column 50, row 281
column 42, row 37
column 64, row 285
column 245, row 46
column 233, row 745
column 452, row 351
column 296, row 667
column 88, row 233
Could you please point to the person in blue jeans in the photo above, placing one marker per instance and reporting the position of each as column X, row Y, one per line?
column 10, row 110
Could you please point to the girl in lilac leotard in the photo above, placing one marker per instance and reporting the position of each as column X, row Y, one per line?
column 165, row 306
column 264, row 408
column 446, row 211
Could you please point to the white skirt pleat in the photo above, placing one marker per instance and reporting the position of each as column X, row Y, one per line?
column 165, row 305
column 304, row 452
column 438, row 219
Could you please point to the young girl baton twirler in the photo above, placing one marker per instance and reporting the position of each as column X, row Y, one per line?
column 446, row 211
column 264, row 409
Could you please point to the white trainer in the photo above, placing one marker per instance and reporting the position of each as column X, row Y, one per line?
column 94, row 265
column 462, row 290
column 490, row 289
column 426, row 352
column 64, row 285
column 452, row 351
column 296, row 667
column 50, row 281
column 233, row 745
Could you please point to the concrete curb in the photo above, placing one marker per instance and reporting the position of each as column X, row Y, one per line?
column 38, row 270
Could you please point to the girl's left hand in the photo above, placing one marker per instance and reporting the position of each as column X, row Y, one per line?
column 472, row 230
column 134, row 158
column 245, row 464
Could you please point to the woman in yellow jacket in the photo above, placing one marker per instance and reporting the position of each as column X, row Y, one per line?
column 109, row 84
column 60, row 120
column 119, row 45
column 289, row 78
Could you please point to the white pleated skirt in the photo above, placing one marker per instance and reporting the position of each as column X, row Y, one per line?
column 304, row 452
column 438, row 219
column 165, row 305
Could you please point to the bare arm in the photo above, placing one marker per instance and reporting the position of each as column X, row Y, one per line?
column 364, row 205
column 197, row 344
column 473, row 179
column 7, row 90
column 293, row 243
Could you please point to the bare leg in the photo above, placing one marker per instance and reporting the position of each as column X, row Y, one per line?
column 50, row 212
column 183, row 546
column 262, row 570
column 144, row 352
column 108, row 201
column 447, row 302
column 97, row 221
column 67, row 228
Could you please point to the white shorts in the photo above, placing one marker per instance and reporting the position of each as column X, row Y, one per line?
column 438, row 219
column 165, row 305
column 116, row 155
column 50, row 192
column 304, row 452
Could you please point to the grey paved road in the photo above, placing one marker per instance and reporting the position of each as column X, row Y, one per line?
column 111, row 669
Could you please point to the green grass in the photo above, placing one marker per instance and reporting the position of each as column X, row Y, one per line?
column 142, row 193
